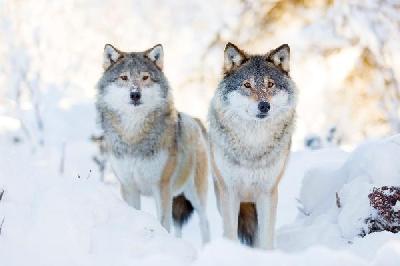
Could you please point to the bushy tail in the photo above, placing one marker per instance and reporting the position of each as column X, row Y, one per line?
column 247, row 224
column 182, row 209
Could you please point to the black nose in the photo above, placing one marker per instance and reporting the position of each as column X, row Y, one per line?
column 135, row 96
column 264, row 107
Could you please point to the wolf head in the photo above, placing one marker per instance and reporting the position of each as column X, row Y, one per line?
column 133, row 82
column 257, row 87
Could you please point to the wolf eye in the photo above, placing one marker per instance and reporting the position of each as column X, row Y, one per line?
column 247, row 84
column 144, row 76
column 124, row 77
column 271, row 83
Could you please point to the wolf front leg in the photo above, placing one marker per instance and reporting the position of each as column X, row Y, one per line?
column 229, row 211
column 163, row 199
column 131, row 195
column 266, row 216
column 163, row 193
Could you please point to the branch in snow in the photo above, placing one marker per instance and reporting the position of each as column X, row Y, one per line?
column 301, row 208
column 1, row 224
column 62, row 160
column 338, row 201
column 386, row 203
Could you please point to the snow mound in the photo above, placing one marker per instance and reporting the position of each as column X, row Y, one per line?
column 222, row 252
column 335, row 201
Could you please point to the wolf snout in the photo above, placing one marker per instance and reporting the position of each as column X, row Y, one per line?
column 135, row 96
column 264, row 107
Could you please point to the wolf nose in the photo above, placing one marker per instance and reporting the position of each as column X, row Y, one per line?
column 135, row 96
column 264, row 107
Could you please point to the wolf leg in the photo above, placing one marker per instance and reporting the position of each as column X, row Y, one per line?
column 266, row 216
column 131, row 195
column 204, row 226
column 230, row 211
column 199, row 204
column 200, row 190
column 178, row 231
column 162, row 193
column 163, row 200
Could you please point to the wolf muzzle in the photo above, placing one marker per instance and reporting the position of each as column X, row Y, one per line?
column 135, row 96
column 263, row 108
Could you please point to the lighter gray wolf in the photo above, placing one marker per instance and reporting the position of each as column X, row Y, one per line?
column 154, row 150
column 251, row 121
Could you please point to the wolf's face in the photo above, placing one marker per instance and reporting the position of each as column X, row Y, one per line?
column 133, row 82
column 257, row 87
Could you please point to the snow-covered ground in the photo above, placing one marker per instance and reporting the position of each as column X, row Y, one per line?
column 56, row 211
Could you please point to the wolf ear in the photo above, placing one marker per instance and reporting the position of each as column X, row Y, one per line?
column 156, row 54
column 110, row 56
column 280, row 57
column 233, row 57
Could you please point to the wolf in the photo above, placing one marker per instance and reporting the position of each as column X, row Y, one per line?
column 251, row 121
column 154, row 150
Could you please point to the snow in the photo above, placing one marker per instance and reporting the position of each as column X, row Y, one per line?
column 396, row 207
column 222, row 252
column 373, row 164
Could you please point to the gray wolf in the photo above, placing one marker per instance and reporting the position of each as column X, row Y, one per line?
column 154, row 150
column 251, row 121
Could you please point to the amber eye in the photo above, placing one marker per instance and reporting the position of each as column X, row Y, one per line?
column 124, row 77
column 271, row 83
column 145, row 77
column 247, row 84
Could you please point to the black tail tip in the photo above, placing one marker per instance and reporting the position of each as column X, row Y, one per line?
column 182, row 210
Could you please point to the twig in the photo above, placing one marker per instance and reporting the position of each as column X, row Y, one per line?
column 1, row 194
column 338, row 201
column 301, row 208
column 62, row 160
column 1, row 225
column 90, row 172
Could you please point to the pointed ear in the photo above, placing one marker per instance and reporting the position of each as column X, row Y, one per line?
column 156, row 54
column 280, row 57
column 110, row 55
column 233, row 57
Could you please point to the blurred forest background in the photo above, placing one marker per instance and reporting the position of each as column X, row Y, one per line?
column 345, row 60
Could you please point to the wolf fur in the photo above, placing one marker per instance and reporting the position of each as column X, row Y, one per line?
column 249, row 150
column 154, row 150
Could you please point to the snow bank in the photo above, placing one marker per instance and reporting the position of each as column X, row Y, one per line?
column 222, row 252
column 334, row 201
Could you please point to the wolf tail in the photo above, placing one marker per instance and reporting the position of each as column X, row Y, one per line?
column 247, row 224
column 182, row 209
